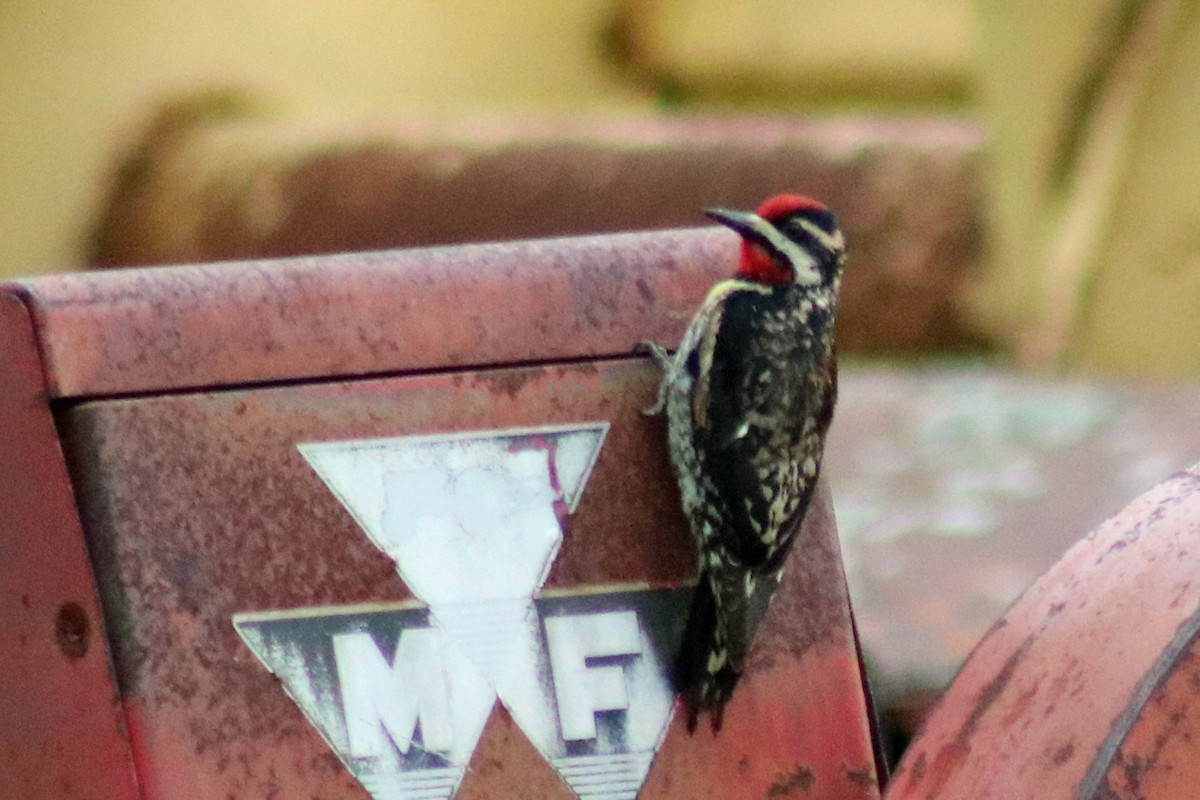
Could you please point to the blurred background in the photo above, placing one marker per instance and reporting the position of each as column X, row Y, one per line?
column 1087, row 110
column 1017, row 181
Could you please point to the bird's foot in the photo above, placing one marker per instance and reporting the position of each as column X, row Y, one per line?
column 663, row 356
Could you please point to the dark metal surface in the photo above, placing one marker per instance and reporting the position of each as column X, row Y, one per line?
column 1086, row 687
column 61, row 732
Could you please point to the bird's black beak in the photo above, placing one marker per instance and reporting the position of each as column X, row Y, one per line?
column 744, row 222
column 764, row 235
column 749, row 226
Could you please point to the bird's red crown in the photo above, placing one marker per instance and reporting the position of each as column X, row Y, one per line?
column 781, row 206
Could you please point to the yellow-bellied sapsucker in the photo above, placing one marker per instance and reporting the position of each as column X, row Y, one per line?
column 749, row 396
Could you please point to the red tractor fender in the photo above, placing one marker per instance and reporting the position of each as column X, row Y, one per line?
column 1087, row 686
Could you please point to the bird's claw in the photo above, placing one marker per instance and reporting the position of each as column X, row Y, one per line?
column 664, row 358
column 655, row 350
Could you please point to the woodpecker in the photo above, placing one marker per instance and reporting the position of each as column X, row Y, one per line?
column 749, row 396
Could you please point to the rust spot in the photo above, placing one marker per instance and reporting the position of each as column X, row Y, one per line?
column 744, row 764
column 1063, row 754
column 863, row 776
column 1020, row 706
column 918, row 769
column 644, row 290
column 799, row 779
column 1178, row 599
column 951, row 757
column 1135, row 768
column 72, row 630
column 509, row 382
column 992, row 690
column 25, row 601
column 947, row 761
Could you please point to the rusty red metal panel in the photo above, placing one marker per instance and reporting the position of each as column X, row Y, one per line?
column 200, row 506
column 1156, row 754
column 130, row 331
column 61, row 733
column 1086, row 687
column 204, row 412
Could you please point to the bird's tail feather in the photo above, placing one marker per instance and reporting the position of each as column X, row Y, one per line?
column 715, row 645
column 703, row 673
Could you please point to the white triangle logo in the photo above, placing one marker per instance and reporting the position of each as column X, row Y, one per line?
column 473, row 522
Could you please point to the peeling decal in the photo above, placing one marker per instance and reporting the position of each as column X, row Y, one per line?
column 402, row 691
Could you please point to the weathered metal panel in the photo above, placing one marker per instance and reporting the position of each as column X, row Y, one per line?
column 1086, row 687
column 1156, row 756
column 61, row 733
column 221, row 425
column 130, row 331
column 200, row 506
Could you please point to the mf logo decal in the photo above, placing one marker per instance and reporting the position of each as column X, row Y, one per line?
column 473, row 521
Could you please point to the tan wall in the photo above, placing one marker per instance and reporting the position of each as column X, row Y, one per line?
column 76, row 78
column 1090, row 108
column 1093, row 112
column 869, row 54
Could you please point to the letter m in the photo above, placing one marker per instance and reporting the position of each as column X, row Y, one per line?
column 388, row 700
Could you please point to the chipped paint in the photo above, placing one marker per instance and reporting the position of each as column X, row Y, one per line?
column 1087, row 684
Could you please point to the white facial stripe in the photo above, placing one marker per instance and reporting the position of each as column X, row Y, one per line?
column 833, row 242
column 803, row 262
